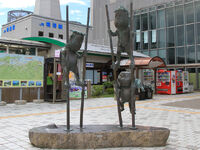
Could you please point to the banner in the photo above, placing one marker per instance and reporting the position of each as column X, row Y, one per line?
column 21, row 71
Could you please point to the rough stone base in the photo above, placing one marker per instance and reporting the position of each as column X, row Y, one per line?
column 97, row 136
column 38, row 101
column 20, row 102
column 2, row 103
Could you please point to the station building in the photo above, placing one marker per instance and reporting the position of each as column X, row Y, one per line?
column 169, row 29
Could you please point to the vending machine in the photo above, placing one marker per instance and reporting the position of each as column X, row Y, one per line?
column 166, row 82
column 179, row 81
column 148, row 78
column 185, row 81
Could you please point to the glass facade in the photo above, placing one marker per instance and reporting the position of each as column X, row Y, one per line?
column 170, row 31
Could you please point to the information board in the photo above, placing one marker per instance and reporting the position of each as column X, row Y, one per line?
column 21, row 71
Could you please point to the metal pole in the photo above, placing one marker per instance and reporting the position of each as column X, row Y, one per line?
column 0, row 94
column 38, row 93
column 20, row 94
column 113, row 61
column 132, row 68
column 67, row 72
column 54, row 79
column 84, row 70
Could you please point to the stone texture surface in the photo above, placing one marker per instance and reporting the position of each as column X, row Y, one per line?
column 20, row 102
column 98, row 136
column 2, row 103
column 38, row 101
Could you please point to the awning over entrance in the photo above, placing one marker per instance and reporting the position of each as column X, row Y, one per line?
column 145, row 63
column 57, row 42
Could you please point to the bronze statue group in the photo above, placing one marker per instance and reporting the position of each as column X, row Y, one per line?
column 123, row 83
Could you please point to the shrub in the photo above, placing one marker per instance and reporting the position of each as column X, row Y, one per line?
column 108, row 85
column 97, row 90
column 110, row 91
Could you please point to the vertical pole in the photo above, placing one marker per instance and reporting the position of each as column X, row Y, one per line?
column 0, row 95
column 7, row 49
column 20, row 94
column 84, row 70
column 67, row 72
column 36, row 51
column 155, row 80
column 38, row 93
column 114, row 71
column 132, row 68
column 54, row 79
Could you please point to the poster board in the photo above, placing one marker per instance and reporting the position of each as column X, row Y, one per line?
column 21, row 71
column 75, row 91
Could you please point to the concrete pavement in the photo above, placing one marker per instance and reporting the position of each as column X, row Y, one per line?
column 184, row 122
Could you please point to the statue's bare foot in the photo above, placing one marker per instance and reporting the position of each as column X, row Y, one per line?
column 121, row 106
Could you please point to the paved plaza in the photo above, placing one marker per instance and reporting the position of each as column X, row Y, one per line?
column 161, row 111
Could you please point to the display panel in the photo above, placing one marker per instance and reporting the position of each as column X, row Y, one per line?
column 21, row 71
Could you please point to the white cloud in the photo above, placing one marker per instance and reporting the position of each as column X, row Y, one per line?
column 64, row 2
column 30, row 3
column 16, row 3
column 75, row 12
column 2, row 13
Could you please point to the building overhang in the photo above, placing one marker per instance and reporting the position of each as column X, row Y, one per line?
column 46, row 40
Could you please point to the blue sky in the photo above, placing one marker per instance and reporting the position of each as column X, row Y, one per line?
column 77, row 9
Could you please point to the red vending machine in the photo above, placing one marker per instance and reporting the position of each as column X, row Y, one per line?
column 179, row 81
column 166, row 82
column 185, row 81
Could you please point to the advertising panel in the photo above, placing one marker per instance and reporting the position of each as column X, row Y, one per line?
column 21, row 71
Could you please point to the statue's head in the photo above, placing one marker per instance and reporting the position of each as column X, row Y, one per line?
column 121, row 18
column 124, row 78
column 76, row 40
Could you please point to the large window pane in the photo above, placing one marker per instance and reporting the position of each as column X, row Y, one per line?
column 179, row 15
column 191, row 54
column 161, row 38
column 170, row 17
column 197, row 5
column 170, row 37
column 180, row 36
column 145, row 41
column 152, row 20
column 145, row 52
column 161, row 19
column 162, row 54
column 198, row 33
column 137, row 40
column 137, row 22
column 171, row 55
column 153, row 39
column 189, row 13
column 180, row 55
column 144, row 18
column 198, row 53
column 153, row 53
column 190, row 34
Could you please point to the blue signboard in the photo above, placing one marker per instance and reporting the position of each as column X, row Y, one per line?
column 54, row 25
column 42, row 24
column 13, row 27
column 48, row 24
column 60, row 26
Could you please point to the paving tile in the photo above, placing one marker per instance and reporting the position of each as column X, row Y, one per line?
column 185, row 131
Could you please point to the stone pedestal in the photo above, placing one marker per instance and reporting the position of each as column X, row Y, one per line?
column 20, row 102
column 97, row 136
column 2, row 103
column 38, row 101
